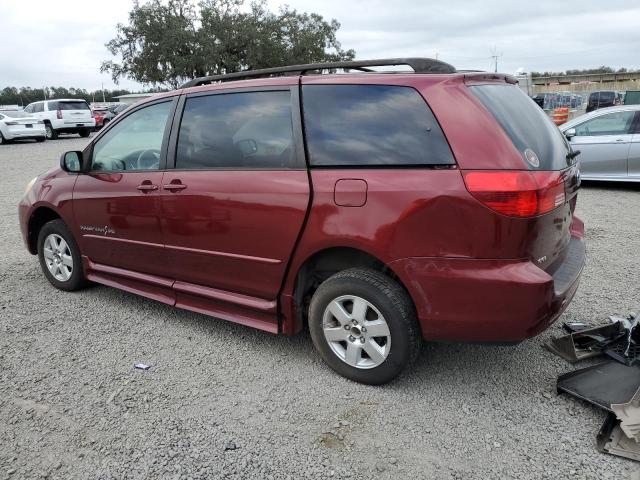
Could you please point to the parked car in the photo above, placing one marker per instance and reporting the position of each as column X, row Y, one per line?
column 19, row 125
column 63, row 116
column 603, row 99
column 391, row 208
column 609, row 142
column 632, row 97
column 99, row 116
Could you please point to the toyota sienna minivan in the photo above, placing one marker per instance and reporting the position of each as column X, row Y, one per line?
column 376, row 209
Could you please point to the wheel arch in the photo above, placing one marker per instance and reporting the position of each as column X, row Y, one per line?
column 322, row 264
column 39, row 217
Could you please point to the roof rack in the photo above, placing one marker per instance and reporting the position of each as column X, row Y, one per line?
column 419, row 65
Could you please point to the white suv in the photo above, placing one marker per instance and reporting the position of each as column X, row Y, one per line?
column 63, row 116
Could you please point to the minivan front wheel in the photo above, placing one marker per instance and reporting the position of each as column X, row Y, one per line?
column 59, row 256
column 364, row 326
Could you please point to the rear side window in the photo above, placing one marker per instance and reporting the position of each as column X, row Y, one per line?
column 68, row 105
column 528, row 127
column 371, row 125
column 237, row 130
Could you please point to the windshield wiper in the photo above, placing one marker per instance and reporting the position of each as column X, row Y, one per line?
column 573, row 154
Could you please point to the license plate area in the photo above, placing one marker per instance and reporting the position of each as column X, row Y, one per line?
column 28, row 125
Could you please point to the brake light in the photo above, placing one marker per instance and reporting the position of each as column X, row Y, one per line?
column 59, row 114
column 517, row 193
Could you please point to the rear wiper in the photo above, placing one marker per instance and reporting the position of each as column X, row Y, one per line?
column 573, row 154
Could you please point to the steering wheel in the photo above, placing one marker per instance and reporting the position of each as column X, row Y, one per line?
column 148, row 160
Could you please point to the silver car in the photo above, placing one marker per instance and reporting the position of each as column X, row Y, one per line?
column 609, row 142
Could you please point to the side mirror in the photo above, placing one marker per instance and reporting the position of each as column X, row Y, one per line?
column 570, row 133
column 71, row 162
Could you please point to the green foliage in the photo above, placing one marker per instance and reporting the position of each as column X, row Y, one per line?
column 168, row 42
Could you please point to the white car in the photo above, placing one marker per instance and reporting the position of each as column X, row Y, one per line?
column 20, row 125
column 65, row 115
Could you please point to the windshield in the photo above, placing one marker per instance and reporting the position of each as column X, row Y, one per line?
column 529, row 128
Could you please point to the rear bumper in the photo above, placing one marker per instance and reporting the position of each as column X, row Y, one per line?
column 18, row 133
column 493, row 301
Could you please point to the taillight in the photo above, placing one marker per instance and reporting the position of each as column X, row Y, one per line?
column 517, row 193
column 59, row 114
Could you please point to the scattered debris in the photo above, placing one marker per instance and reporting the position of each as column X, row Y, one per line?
column 629, row 415
column 601, row 384
column 230, row 445
column 613, row 385
column 611, row 439
column 141, row 366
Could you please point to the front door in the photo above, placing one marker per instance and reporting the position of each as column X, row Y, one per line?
column 234, row 205
column 117, row 204
column 604, row 143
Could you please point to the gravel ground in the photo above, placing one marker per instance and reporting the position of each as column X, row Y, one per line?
column 225, row 401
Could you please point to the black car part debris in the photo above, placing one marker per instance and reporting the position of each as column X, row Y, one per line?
column 611, row 439
column 613, row 385
column 620, row 340
column 585, row 343
column 603, row 384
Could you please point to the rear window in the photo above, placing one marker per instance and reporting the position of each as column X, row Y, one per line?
column 603, row 96
column 528, row 127
column 371, row 125
column 79, row 105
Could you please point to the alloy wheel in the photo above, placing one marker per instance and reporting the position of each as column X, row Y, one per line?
column 57, row 257
column 356, row 332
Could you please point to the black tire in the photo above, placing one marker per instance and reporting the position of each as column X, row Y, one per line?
column 41, row 139
column 105, row 123
column 395, row 305
column 85, row 132
column 76, row 281
column 2, row 139
column 51, row 134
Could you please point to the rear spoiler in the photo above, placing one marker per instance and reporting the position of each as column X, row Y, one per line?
column 485, row 77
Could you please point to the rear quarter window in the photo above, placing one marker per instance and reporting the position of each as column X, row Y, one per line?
column 371, row 125
column 528, row 127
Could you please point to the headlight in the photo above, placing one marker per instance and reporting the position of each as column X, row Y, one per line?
column 30, row 185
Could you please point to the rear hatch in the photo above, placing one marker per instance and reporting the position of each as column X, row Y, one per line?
column 72, row 111
column 541, row 190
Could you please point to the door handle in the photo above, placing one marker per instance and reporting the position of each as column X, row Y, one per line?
column 174, row 187
column 147, row 187
column 619, row 139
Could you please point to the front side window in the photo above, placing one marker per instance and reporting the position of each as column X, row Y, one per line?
column 38, row 107
column 618, row 123
column 371, row 125
column 134, row 143
column 237, row 130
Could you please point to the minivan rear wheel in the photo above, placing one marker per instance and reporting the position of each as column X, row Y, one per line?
column 364, row 326
column 59, row 256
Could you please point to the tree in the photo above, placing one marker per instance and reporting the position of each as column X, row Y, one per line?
column 168, row 42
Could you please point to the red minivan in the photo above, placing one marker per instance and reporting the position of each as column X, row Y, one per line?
column 376, row 208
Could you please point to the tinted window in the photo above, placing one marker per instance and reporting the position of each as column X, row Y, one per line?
column 356, row 125
column 77, row 105
column 527, row 126
column 133, row 143
column 236, row 130
column 38, row 107
column 618, row 123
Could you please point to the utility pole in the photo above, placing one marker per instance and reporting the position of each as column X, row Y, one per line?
column 495, row 55
column 103, row 101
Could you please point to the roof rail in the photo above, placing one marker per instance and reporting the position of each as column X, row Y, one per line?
column 419, row 65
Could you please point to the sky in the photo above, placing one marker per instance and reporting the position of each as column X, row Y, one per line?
column 61, row 43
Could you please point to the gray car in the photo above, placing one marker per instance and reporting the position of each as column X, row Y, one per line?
column 609, row 142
